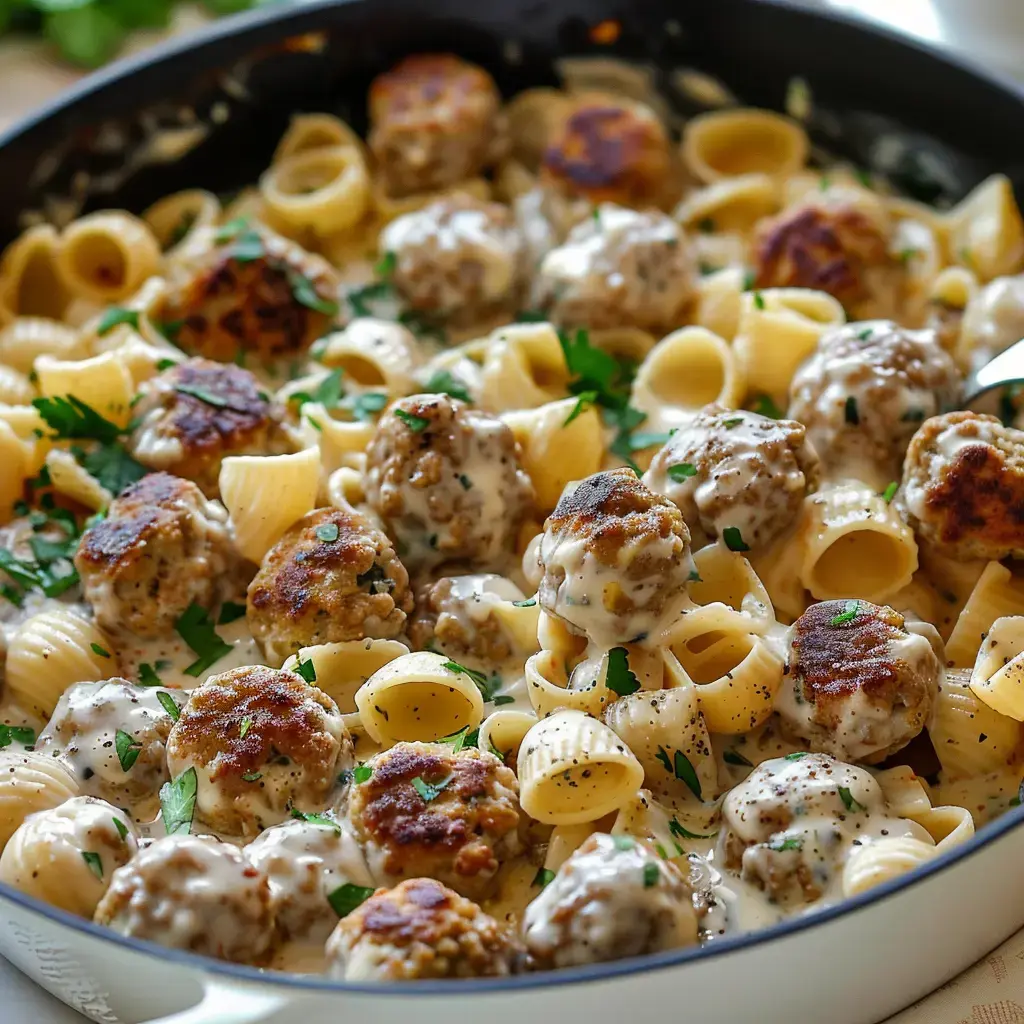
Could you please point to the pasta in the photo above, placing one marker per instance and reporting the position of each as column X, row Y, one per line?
column 30, row 285
column 177, row 219
column 996, row 594
column 883, row 860
column 27, row 337
column 730, row 143
column 29, row 783
column 998, row 676
column 102, row 382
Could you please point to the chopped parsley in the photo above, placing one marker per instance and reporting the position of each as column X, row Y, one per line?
column 178, row 803
column 759, row 300
column 112, row 466
column 624, row 842
column 850, row 411
column 865, row 335
column 764, row 405
column 789, row 843
column 378, row 581
column 734, row 540
column 528, row 603
column 848, row 614
column 543, row 878
column 197, row 630
column 684, row 833
column 359, row 297
column 906, row 255
column 317, row 819
column 457, row 740
column 349, row 897
column 694, row 577
column 16, row 734
column 735, row 757
column 682, row 471
column 127, row 748
column 583, row 402
column 230, row 612
column 94, row 861
column 706, row 225
column 244, row 726
column 682, row 769
column 430, row 791
column 306, row 669
column 169, row 704
column 362, row 773
column 365, row 406
column 122, row 828
column 651, row 875
column 327, row 532
column 503, row 699
column 650, row 439
column 797, row 755
column 443, row 383
column 417, row 424
column 329, row 392
column 620, row 678
column 148, row 675
column 531, row 316
column 69, row 417
column 96, row 649
column 252, row 776
column 305, row 294
column 735, row 421
column 849, row 802
column 890, row 492
column 204, row 395
column 114, row 316
column 385, row 266
column 465, row 482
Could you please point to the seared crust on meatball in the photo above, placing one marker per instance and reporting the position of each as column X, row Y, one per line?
column 610, row 150
column 447, row 482
column 311, row 590
column 860, row 684
column 619, row 268
column 866, row 390
column 459, row 259
column 732, row 468
column 434, row 121
column 251, row 292
column 161, row 547
column 194, row 414
column 262, row 741
column 460, row 836
column 615, row 560
column 963, row 487
column 195, row 893
column 420, row 930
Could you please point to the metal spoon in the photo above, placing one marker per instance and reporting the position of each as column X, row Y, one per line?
column 1006, row 368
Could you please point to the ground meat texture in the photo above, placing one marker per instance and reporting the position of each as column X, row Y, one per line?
column 735, row 469
column 460, row 835
column 263, row 742
column 83, row 730
column 254, row 294
column 860, row 685
column 788, row 827
column 316, row 588
column 161, row 547
column 194, row 893
column 831, row 243
column 194, row 414
column 865, row 391
column 447, row 482
column 610, row 150
column 434, row 121
column 420, row 930
column 963, row 487
column 615, row 559
column 613, row 898
column 458, row 259
column 619, row 268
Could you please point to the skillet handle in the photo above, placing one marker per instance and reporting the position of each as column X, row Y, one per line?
column 226, row 1003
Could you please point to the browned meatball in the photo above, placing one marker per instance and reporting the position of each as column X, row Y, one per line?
column 459, row 259
column 420, row 930
column 860, row 684
column 332, row 577
column 428, row 811
column 830, row 244
column 434, row 121
column 262, row 741
column 447, row 482
column 251, row 292
column 866, row 390
column 193, row 415
column 734, row 469
column 161, row 547
column 610, row 150
column 963, row 487
column 615, row 559
column 619, row 268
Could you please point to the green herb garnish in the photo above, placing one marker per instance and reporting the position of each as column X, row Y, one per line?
column 94, row 861
column 620, row 678
column 197, row 630
column 114, row 316
column 682, row 471
column 734, row 540
column 127, row 748
column 848, row 614
column 178, row 803
column 349, row 897
column 430, row 791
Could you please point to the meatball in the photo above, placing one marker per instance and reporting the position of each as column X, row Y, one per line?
column 994, row 319
column 735, row 469
column 251, row 293
column 619, row 268
column 458, row 259
column 332, row 577
column 305, row 863
column 837, row 242
column 84, row 728
column 860, row 684
column 963, row 487
column 615, row 559
column 263, row 742
column 610, row 150
column 161, row 548
column 194, row 414
column 457, row 616
column 428, row 811
column 420, row 930
column 194, row 893
column 434, row 121
column 447, row 482
column 865, row 391
column 613, row 898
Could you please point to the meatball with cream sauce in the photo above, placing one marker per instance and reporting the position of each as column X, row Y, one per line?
column 194, row 414
column 615, row 559
column 193, row 893
column 426, row 810
column 333, row 576
column 615, row 897
column 447, row 482
column 860, row 684
column 263, row 742
column 993, row 320
column 736, row 469
column 963, row 487
column 619, row 268
column 458, row 259
column 435, row 121
column 420, row 930
column 865, row 391
column 161, row 547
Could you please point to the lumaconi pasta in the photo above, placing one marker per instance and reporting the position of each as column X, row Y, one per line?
column 605, row 560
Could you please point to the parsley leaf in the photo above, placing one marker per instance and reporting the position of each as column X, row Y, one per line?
column 759, row 300
column 682, row 769
column 70, row 417
column 362, row 773
column 528, row 603
column 94, row 861
column 851, row 412
column 734, row 540
column 317, row 819
column 169, row 704
column 429, row 791
column 585, row 400
column 122, row 828
column 327, row 532
column 890, row 492
column 349, row 897
column 684, row 833
column 230, row 612
column 307, row 670
column 651, row 875
column 197, row 630
column 456, row 739
column 442, row 382
column 100, row 651
column 127, row 748
column 114, row 316
column 148, row 675
column 620, row 678
column 488, row 687
column 682, row 471
column 735, row 757
column 543, row 878
column 851, row 804
column 113, row 467
column 764, row 405
column 305, row 293
column 244, row 726
column 365, row 406
column 797, row 755
column 789, row 843
column 417, row 424
column 848, row 614
column 16, row 734
column 178, row 803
